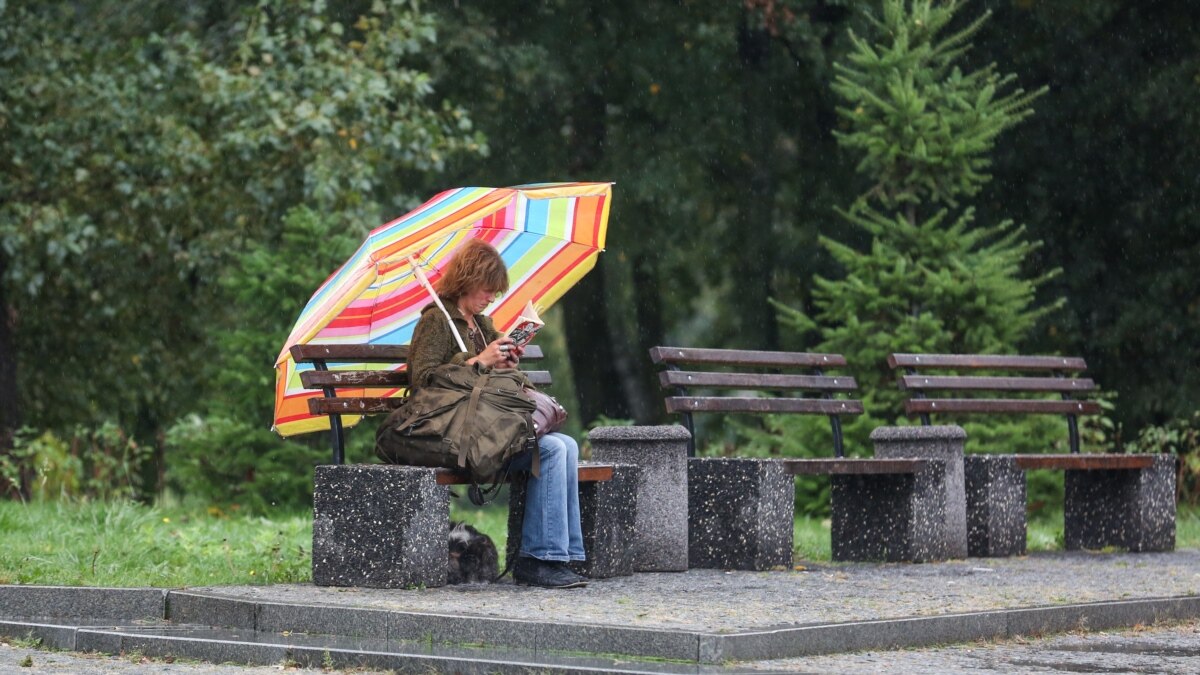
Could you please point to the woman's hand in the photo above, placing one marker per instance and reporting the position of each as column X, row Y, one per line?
column 497, row 354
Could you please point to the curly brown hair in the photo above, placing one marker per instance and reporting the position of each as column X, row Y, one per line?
column 476, row 264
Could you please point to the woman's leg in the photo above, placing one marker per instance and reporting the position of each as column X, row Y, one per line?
column 545, row 531
column 574, row 532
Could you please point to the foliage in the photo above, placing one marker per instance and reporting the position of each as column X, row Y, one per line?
column 930, row 280
column 1106, row 177
column 96, row 463
column 225, row 461
column 923, row 127
column 147, row 156
column 1180, row 437
column 86, row 543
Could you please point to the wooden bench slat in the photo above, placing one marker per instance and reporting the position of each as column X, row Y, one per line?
column 745, row 358
column 315, row 379
column 994, row 361
column 824, row 466
column 1085, row 462
column 371, row 353
column 588, row 473
column 350, row 353
column 959, row 383
column 994, row 405
column 815, row 406
column 365, row 405
column 769, row 381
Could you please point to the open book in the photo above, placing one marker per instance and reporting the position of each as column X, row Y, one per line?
column 527, row 326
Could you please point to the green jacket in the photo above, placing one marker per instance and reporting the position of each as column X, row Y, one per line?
column 433, row 344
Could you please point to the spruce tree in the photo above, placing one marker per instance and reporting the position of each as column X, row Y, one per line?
column 932, row 279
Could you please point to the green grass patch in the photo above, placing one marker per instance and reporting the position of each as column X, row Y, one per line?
column 810, row 539
column 125, row 544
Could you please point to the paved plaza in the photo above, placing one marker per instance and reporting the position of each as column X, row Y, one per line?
column 1047, row 612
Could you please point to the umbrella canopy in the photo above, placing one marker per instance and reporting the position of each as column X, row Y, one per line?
column 549, row 235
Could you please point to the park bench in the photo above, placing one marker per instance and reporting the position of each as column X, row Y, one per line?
column 386, row 526
column 895, row 506
column 1110, row 499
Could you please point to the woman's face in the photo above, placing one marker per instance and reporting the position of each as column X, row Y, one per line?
column 477, row 300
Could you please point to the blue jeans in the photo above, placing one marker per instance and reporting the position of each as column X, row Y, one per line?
column 551, row 529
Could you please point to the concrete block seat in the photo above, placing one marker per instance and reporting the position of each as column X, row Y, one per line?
column 660, row 534
column 387, row 526
column 1111, row 499
column 740, row 511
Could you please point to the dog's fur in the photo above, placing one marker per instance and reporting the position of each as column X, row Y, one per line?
column 472, row 556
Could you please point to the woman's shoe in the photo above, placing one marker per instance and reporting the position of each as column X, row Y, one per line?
column 546, row 573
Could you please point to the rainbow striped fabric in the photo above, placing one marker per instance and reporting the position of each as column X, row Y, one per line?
column 549, row 235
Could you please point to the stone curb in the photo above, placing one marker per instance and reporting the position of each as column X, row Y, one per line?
column 83, row 601
column 264, row 619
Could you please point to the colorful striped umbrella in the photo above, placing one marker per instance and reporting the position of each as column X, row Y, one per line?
column 548, row 234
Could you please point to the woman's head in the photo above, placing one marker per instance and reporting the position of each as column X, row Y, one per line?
column 475, row 269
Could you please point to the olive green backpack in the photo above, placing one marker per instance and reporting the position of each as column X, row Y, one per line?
column 465, row 417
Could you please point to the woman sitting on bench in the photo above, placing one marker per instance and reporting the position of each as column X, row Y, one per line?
column 550, row 534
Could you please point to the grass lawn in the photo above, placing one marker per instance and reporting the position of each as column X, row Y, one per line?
column 123, row 544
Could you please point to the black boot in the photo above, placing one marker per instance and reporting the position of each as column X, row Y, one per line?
column 546, row 573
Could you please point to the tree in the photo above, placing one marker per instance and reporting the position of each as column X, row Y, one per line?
column 931, row 280
column 140, row 159
column 1107, row 177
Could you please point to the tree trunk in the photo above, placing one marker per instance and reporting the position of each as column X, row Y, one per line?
column 590, row 349
column 647, row 296
column 10, row 399
column 758, row 328
column 593, row 343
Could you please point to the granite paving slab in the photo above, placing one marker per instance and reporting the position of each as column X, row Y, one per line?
column 716, row 601
column 1144, row 649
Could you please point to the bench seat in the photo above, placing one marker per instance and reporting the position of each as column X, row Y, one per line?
column 740, row 511
column 1110, row 499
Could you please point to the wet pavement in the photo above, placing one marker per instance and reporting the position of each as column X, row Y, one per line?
column 1158, row 649
column 717, row 601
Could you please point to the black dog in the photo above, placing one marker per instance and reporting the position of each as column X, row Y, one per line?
column 472, row 556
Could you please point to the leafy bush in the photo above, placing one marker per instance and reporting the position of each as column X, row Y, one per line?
column 1182, row 437
column 95, row 463
column 224, row 461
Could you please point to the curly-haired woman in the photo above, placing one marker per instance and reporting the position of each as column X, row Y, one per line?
column 550, row 533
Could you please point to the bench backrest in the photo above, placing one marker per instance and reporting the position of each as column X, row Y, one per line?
column 1040, row 374
column 740, row 375
column 345, row 390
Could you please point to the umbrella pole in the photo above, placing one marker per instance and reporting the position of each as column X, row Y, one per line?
column 438, row 301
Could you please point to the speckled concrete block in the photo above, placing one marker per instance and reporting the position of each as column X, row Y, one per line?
column 379, row 526
column 606, row 516
column 660, row 539
column 740, row 514
column 1131, row 509
column 890, row 517
column 995, row 506
column 934, row 442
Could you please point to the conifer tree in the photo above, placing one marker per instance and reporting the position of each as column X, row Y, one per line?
column 932, row 279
